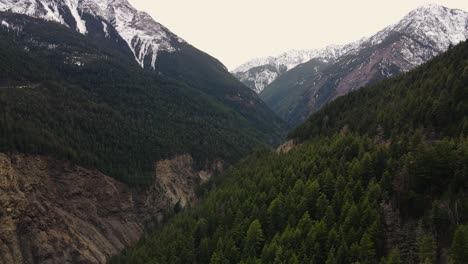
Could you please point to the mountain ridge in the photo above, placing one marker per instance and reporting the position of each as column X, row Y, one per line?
column 417, row 38
column 252, row 72
column 143, row 35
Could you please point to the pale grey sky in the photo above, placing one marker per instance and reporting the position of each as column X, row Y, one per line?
column 235, row 31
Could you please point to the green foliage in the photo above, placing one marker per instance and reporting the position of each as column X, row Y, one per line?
column 459, row 250
column 254, row 239
column 275, row 216
column 323, row 201
column 394, row 257
column 427, row 249
column 111, row 115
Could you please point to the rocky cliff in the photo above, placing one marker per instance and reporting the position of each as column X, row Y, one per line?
column 56, row 212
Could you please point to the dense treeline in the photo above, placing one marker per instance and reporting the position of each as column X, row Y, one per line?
column 80, row 98
column 395, row 192
column 326, row 202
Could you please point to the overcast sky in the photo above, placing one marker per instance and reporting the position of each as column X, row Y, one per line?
column 235, row 31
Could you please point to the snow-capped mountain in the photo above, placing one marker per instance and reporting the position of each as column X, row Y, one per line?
column 420, row 36
column 145, row 37
column 260, row 72
column 125, row 30
column 432, row 25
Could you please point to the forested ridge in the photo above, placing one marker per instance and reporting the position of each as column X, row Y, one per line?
column 377, row 176
column 83, row 99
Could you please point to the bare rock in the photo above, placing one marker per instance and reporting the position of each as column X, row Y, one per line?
column 286, row 147
column 55, row 212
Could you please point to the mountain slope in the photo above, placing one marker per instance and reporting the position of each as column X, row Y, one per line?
column 144, row 36
column 259, row 73
column 418, row 37
column 393, row 193
column 79, row 97
column 153, row 47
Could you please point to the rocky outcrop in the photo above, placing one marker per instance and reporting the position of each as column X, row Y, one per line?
column 177, row 177
column 56, row 212
column 286, row 147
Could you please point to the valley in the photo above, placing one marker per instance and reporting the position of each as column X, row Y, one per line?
column 121, row 142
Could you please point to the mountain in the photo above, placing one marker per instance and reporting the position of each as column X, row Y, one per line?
column 260, row 72
column 153, row 47
column 83, row 98
column 108, row 124
column 145, row 37
column 419, row 36
column 376, row 176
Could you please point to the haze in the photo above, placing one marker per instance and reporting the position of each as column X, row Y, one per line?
column 237, row 31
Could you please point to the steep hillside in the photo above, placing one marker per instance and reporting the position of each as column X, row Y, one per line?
column 377, row 176
column 154, row 47
column 79, row 97
column 417, row 38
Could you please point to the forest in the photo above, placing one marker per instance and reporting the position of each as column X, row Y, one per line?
column 80, row 98
column 377, row 176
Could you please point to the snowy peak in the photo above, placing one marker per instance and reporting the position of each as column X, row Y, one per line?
column 144, row 36
column 53, row 10
column 261, row 72
column 433, row 26
column 293, row 58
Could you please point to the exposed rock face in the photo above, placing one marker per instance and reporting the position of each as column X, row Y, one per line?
column 178, row 178
column 175, row 183
column 55, row 212
column 286, row 147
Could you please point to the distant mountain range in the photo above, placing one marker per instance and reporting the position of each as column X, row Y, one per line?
column 298, row 83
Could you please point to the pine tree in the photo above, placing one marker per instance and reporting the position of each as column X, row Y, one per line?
column 394, row 257
column 366, row 249
column 426, row 249
column 459, row 250
column 254, row 239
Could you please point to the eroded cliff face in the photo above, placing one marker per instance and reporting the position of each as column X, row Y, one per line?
column 178, row 178
column 56, row 212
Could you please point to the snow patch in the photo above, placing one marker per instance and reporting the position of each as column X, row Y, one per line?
column 105, row 29
column 80, row 23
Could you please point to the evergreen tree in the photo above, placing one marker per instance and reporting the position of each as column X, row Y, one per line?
column 366, row 249
column 394, row 257
column 254, row 239
column 459, row 249
column 426, row 249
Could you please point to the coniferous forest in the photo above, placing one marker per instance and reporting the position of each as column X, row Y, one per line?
column 377, row 176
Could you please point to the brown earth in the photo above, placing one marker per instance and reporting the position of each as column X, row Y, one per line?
column 56, row 212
